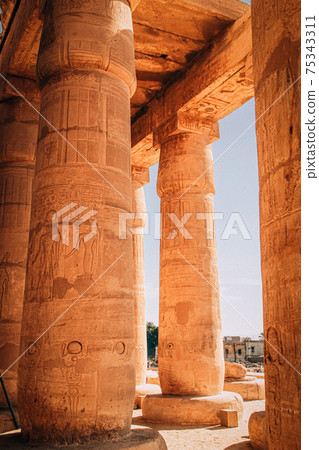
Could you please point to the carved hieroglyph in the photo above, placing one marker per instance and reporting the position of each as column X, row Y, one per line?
column 78, row 379
column 140, row 177
column 191, row 358
column 276, row 52
column 18, row 137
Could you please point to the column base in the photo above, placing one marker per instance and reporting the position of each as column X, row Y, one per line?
column 190, row 410
column 256, row 374
column 249, row 388
column 144, row 389
column 257, row 430
column 140, row 438
column 152, row 377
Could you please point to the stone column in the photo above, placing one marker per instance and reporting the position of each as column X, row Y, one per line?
column 18, row 138
column 140, row 177
column 78, row 380
column 276, row 62
column 191, row 361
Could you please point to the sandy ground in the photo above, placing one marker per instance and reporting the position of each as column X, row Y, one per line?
column 211, row 437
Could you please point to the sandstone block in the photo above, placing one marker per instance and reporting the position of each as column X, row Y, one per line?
column 249, row 390
column 234, row 370
column 229, row 418
column 144, row 389
column 152, row 377
column 256, row 374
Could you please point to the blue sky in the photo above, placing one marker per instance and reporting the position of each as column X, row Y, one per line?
column 237, row 190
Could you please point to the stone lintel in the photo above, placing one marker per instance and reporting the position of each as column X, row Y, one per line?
column 17, row 32
column 219, row 81
column 133, row 5
column 24, row 86
column 181, row 123
column 140, row 175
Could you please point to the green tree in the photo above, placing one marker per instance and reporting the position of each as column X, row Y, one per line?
column 152, row 339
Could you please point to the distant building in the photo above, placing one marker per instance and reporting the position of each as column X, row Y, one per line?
column 237, row 349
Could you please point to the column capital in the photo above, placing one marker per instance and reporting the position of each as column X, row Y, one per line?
column 140, row 175
column 181, row 123
column 103, row 46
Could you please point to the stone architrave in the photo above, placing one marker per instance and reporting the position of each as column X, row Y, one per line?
column 18, row 139
column 191, row 360
column 276, row 33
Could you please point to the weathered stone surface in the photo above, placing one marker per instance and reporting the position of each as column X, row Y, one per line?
column 167, row 38
column 190, row 410
column 250, row 389
column 18, row 137
column 152, row 377
column 224, row 81
column 229, row 418
column 257, row 430
column 228, row 380
column 234, row 370
column 78, row 380
column 86, row 74
column 276, row 58
column 6, row 421
column 190, row 357
column 256, row 374
column 140, row 438
column 139, row 178
column 22, row 42
column 145, row 389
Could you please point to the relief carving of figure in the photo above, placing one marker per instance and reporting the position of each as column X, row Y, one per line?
column 43, row 259
column 71, row 353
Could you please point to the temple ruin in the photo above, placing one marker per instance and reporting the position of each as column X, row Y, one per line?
column 93, row 93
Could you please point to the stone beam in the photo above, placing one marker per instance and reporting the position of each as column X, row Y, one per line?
column 233, row 9
column 15, row 34
column 218, row 82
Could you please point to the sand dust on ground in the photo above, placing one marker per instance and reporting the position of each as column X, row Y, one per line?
column 210, row 437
